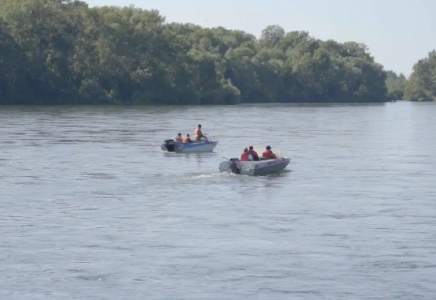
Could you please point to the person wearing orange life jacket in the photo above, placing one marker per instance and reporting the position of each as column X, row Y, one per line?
column 178, row 138
column 187, row 139
column 268, row 153
column 244, row 155
column 253, row 153
column 199, row 134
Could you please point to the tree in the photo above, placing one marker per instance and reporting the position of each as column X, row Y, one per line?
column 396, row 85
column 13, row 71
column 272, row 35
column 422, row 82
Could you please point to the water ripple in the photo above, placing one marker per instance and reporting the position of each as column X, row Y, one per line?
column 92, row 209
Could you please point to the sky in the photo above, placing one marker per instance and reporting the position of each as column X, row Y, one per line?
column 397, row 32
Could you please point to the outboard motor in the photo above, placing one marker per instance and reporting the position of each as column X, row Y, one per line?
column 169, row 144
column 234, row 166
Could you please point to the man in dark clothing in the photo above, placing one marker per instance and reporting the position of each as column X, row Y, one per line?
column 253, row 153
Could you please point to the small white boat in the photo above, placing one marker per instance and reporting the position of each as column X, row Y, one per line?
column 194, row 147
column 255, row 168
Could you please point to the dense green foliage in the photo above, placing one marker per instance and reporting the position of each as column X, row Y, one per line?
column 63, row 52
column 396, row 85
column 422, row 83
column 420, row 86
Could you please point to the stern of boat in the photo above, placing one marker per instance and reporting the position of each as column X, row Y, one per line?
column 230, row 166
column 168, row 145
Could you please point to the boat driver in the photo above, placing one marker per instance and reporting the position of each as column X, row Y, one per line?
column 199, row 134
column 268, row 153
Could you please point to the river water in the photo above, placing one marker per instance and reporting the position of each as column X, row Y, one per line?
column 91, row 208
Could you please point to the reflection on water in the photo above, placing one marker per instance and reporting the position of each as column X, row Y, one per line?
column 91, row 208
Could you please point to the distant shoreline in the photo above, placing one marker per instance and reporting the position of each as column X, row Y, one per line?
column 206, row 105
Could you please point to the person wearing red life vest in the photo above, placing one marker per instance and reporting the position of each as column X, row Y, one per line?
column 268, row 153
column 253, row 153
column 244, row 155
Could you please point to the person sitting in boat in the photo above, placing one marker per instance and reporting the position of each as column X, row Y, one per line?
column 268, row 153
column 187, row 139
column 253, row 153
column 199, row 134
column 178, row 138
column 245, row 156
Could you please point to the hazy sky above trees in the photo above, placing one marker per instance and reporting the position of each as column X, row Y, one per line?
column 398, row 33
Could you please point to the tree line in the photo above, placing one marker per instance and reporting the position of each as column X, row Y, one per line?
column 64, row 52
column 420, row 86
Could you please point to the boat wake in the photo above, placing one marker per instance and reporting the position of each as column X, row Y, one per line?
column 211, row 175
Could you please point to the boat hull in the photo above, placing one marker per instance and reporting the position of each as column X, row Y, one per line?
column 255, row 168
column 196, row 147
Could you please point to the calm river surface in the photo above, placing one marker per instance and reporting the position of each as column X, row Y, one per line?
column 91, row 208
